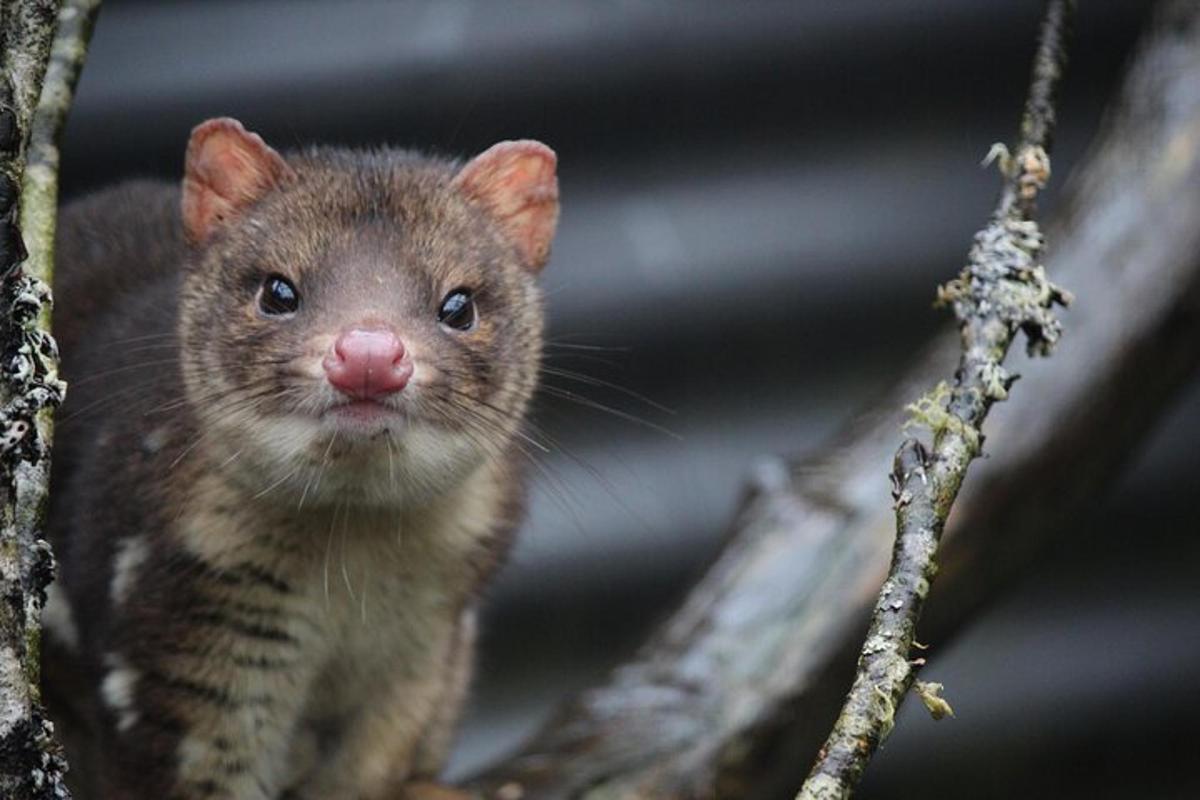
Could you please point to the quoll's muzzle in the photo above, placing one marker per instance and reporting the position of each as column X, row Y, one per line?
column 368, row 363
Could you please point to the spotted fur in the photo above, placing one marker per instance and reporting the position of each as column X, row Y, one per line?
column 262, row 606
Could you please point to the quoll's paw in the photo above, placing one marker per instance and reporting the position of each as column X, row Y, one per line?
column 430, row 790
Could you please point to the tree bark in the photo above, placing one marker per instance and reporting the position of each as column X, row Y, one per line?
column 33, row 108
column 731, row 697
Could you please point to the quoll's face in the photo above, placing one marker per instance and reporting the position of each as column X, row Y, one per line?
column 363, row 332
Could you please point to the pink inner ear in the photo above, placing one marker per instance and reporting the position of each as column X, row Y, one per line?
column 516, row 183
column 227, row 168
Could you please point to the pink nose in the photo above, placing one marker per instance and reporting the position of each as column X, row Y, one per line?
column 366, row 364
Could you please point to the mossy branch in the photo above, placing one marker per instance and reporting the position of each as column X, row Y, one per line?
column 44, row 44
column 1003, row 290
column 39, row 190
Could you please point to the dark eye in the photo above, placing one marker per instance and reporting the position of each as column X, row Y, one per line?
column 458, row 310
column 278, row 296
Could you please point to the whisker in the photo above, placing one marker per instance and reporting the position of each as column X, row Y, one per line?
column 501, row 412
column 320, row 469
column 559, row 490
column 363, row 605
column 567, row 394
column 143, row 338
column 345, row 571
column 328, row 549
column 555, row 483
column 607, row 363
column 593, row 381
column 561, row 345
column 229, row 460
column 276, row 483
column 77, row 382
column 185, row 451
column 391, row 460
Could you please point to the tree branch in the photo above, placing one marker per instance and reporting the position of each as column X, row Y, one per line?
column 751, row 670
column 1002, row 290
column 39, row 205
column 31, row 765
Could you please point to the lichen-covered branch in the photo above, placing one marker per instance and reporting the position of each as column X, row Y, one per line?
column 734, row 694
column 33, row 106
column 25, row 741
column 1002, row 290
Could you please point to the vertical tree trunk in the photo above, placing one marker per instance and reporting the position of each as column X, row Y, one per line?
column 33, row 107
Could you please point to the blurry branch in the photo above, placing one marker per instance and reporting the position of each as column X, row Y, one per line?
column 733, row 695
column 39, row 203
column 1002, row 290
column 33, row 106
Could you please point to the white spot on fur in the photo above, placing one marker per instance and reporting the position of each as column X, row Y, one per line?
column 118, row 688
column 131, row 554
column 155, row 440
column 58, row 619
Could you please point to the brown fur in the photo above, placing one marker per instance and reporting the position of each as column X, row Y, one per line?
column 266, row 606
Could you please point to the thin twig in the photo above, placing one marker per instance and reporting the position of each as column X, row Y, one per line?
column 33, row 109
column 26, row 33
column 40, row 188
column 1002, row 290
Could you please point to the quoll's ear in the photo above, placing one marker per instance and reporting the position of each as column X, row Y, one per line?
column 516, row 183
column 227, row 169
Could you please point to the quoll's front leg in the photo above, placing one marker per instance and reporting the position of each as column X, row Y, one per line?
column 182, row 732
column 203, row 683
column 402, row 723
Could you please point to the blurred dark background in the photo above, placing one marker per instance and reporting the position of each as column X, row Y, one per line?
column 759, row 198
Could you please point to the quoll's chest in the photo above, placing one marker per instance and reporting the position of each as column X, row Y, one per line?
column 377, row 607
column 366, row 589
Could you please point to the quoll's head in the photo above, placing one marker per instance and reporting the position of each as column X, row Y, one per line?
column 361, row 326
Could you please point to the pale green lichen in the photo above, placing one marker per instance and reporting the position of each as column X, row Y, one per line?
column 929, row 411
column 885, row 712
column 33, row 661
column 995, row 380
column 822, row 787
column 1026, row 235
column 931, row 695
column 875, row 644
